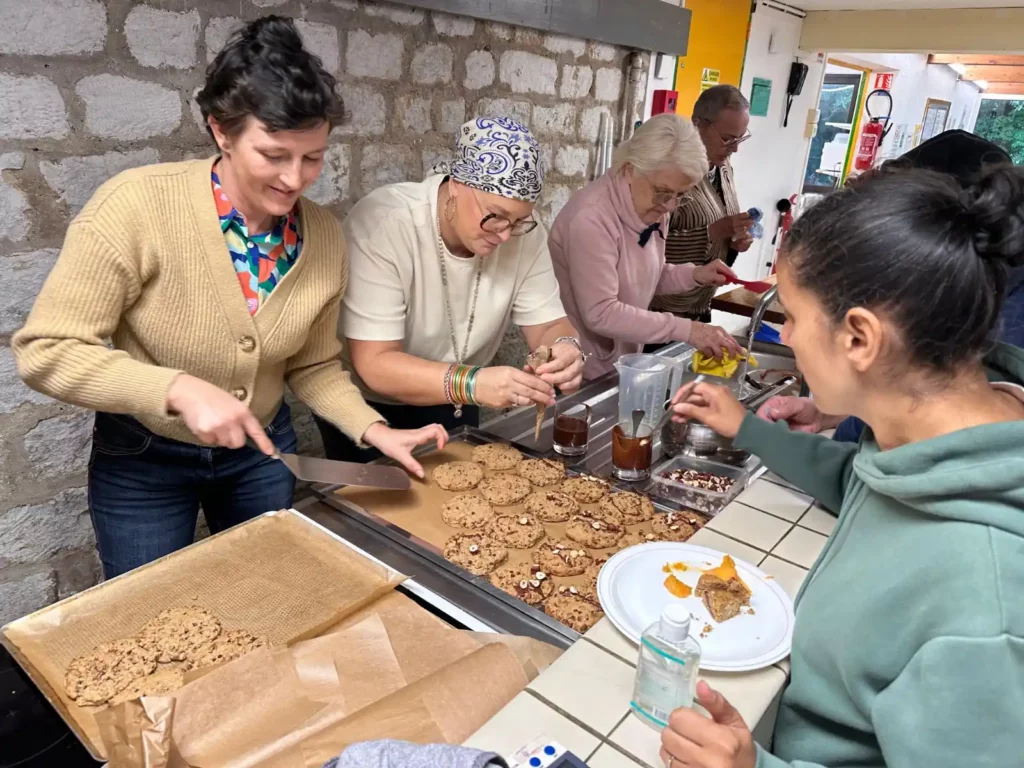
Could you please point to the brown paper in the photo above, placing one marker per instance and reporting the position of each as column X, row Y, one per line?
column 278, row 575
column 418, row 512
column 393, row 673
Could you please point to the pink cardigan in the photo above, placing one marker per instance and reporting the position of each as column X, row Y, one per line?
column 607, row 280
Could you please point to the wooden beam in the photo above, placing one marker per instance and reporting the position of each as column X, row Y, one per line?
column 1005, row 89
column 953, row 30
column 994, row 74
column 978, row 59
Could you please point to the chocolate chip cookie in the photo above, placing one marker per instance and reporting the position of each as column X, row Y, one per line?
column 476, row 552
column 517, row 531
column 542, row 472
column 497, row 456
column 467, row 510
column 586, row 489
column 458, row 475
column 674, row 526
column 573, row 609
column 529, row 583
column 632, row 507
column 563, row 558
column 505, row 490
column 594, row 530
column 177, row 632
column 97, row 677
column 589, row 587
column 551, row 506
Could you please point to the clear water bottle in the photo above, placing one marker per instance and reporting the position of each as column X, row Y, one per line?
column 757, row 230
column 666, row 674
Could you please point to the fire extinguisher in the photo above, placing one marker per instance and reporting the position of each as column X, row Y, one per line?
column 872, row 134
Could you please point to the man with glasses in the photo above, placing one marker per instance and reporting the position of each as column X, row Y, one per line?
column 709, row 224
column 438, row 271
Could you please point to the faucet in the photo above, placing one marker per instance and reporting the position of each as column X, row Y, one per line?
column 758, row 314
column 755, row 325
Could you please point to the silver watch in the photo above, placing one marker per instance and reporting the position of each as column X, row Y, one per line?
column 575, row 342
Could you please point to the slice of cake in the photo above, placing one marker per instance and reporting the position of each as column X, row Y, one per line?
column 722, row 604
column 723, row 591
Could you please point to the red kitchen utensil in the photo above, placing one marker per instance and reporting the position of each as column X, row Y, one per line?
column 755, row 286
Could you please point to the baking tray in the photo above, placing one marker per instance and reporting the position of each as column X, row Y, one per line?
column 413, row 519
column 279, row 575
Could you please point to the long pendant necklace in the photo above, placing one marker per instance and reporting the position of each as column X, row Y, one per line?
column 441, row 250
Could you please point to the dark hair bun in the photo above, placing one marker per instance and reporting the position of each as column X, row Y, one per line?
column 995, row 211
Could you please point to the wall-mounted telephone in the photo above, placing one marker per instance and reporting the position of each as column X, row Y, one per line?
column 795, row 86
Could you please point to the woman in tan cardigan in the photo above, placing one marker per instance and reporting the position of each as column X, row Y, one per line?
column 218, row 285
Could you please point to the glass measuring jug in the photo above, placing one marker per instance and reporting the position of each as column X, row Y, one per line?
column 645, row 383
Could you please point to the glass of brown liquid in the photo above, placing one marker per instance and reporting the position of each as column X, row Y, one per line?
column 632, row 456
column 572, row 429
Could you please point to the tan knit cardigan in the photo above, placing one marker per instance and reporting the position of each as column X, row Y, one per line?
column 145, row 265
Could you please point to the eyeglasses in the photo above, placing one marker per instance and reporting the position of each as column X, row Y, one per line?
column 667, row 196
column 496, row 224
column 729, row 143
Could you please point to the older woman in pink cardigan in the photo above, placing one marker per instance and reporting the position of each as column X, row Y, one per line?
column 608, row 249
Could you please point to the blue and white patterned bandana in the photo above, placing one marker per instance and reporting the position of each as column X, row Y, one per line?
column 500, row 156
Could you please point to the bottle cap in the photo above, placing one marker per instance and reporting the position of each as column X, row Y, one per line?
column 675, row 623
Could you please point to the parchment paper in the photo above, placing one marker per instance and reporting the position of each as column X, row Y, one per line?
column 278, row 576
column 392, row 671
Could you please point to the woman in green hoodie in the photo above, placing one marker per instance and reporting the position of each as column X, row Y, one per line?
column 908, row 648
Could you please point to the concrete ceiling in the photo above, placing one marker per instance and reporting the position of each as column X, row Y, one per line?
column 899, row 5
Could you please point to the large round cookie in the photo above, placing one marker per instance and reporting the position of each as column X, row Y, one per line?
column 497, row 456
column 589, row 588
column 458, row 475
column 505, row 490
column 178, row 632
column 527, row 582
column 542, row 472
column 574, row 610
column 476, row 552
column 551, row 506
column 97, row 677
column 562, row 558
column 673, row 526
column 594, row 530
column 632, row 538
column 517, row 531
column 229, row 646
column 586, row 489
column 632, row 507
column 166, row 679
column 467, row 510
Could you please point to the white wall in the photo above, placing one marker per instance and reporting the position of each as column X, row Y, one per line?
column 915, row 82
column 668, row 69
column 770, row 165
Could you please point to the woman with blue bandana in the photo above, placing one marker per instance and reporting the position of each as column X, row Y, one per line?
column 439, row 269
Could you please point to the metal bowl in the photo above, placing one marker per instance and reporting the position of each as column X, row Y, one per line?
column 693, row 438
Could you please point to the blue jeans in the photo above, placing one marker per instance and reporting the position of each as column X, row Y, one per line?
column 145, row 490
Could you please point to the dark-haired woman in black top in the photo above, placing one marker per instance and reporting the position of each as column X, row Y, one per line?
column 219, row 286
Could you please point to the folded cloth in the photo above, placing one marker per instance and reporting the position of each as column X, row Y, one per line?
column 403, row 754
column 724, row 368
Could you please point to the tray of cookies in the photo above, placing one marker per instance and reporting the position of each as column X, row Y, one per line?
column 533, row 528
column 273, row 580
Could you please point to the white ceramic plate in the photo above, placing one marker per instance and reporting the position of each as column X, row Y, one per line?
column 632, row 592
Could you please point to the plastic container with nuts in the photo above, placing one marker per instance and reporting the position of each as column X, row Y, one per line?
column 700, row 485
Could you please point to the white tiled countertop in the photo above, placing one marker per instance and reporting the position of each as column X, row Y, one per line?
column 582, row 700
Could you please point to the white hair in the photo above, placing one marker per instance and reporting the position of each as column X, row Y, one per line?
column 666, row 140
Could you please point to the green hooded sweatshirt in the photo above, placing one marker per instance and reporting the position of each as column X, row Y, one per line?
column 908, row 648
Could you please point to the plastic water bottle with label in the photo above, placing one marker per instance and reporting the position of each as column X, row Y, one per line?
column 666, row 674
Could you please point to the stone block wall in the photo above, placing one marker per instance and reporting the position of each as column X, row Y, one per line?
column 89, row 88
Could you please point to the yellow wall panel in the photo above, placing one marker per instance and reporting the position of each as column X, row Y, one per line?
column 718, row 40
